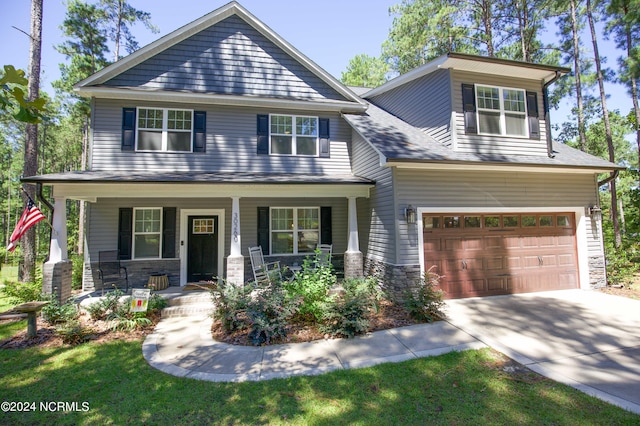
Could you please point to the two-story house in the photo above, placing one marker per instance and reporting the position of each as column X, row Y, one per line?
column 221, row 136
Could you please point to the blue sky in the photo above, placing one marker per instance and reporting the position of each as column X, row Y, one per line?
column 329, row 32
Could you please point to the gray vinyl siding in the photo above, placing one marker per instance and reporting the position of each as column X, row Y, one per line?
column 496, row 145
column 424, row 103
column 102, row 225
column 249, row 218
column 466, row 189
column 230, row 143
column 377, row 220
column 231, row 58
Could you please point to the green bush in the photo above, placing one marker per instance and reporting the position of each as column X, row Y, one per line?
column 348, row 313
column 77, row 270
column 157, row 302
column 124, row 319
column 312, row 283
column 269, row 311
column 231, row 302
column 18, row 292
column 426, row 302
column 55, row 313
column 73, row 333
column 105, row 306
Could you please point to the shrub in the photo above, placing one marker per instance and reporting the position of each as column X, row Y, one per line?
column 73, row 333
column 312, row 283
column 55, row 313
column 106, row 306
column 124, row 319
column 157, row 303
column 348, row 313
column 18, row 292
column 231, row 303
column 269, row 311
column 77, row 270
column 426, row 301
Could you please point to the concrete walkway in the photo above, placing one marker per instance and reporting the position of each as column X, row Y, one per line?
column 588, row 340
column 183, row 347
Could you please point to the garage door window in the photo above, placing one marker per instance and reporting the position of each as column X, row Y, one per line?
column 496, row 222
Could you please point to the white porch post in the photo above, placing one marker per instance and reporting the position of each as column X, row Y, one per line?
column 56, row 272
column 354, row 244
column 353, row 259
column 235, row 261
column 58, row 244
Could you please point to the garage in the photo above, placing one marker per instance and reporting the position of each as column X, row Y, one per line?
column 479, row 254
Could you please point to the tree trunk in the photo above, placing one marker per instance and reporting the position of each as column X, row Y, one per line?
column 607, row 127
column 31, row 140
column 576, row 64
column 487, row 21
column 634, row 96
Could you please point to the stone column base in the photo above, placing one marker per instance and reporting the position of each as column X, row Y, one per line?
column 56, row 280
column 235, row 270
column 353, row 264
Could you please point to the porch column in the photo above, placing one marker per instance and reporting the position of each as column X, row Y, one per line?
column 56, row 272
column 353, row 259
column 235, row 261
column 58, row 243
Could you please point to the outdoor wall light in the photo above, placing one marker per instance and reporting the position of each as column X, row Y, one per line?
column 595, row 212
column 410, row 214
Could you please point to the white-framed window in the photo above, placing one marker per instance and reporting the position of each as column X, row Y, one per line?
column 164, row 129
column 293, row 135
column 294, row 229
column 147, row 232
column 501, row 111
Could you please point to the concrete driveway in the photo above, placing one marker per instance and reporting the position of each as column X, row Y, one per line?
column 586, row 339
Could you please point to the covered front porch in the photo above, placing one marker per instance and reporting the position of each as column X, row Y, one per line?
column 221, row 209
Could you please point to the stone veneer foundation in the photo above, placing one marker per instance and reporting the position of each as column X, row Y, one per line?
column 56, row 280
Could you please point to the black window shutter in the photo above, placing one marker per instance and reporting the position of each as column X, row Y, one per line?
column 263, row 135
column 169, row 232
column 469, row 108
column 199, row 131
column 263, row 229
column 326, row 235
column 324, row 137
column 534, row 116
column 128, row 129
column 125, row 228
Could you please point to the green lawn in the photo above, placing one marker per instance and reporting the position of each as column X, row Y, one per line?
column 121, row 388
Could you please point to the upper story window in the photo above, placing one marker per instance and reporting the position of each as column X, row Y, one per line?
column 293, row 135
column 164, row 129
column 501, row 111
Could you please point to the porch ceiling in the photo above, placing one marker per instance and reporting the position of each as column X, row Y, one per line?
column 91, row 185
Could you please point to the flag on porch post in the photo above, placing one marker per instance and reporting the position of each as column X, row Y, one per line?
column 30, row 217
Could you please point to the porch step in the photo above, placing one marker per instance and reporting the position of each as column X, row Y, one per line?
column 193, row 304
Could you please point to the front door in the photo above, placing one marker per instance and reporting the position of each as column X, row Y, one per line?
column 202, row 248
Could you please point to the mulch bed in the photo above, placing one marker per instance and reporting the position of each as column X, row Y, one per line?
column 389, row 316
column 101, row 332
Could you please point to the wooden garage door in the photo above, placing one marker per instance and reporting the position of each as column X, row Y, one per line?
column 491, row 254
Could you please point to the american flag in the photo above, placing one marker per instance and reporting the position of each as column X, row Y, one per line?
column 30, row 217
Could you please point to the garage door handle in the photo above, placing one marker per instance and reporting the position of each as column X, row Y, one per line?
column 540, row 260
column 464, row 264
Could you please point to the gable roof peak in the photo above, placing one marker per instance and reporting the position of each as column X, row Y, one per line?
column 477, row 64
column 232, row 8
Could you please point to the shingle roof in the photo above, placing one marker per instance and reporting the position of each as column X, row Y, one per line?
column 195, row 177
column 401, row 142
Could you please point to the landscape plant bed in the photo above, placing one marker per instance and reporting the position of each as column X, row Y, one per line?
column 101, row 332
column 390, row 315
